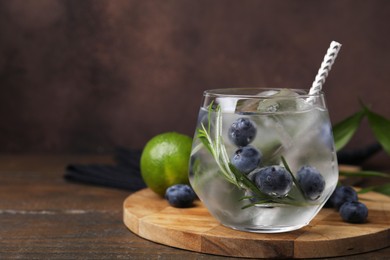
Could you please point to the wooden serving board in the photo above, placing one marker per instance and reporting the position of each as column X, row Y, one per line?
column 150, row 216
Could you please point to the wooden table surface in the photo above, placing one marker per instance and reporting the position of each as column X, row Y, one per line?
column 45, row 217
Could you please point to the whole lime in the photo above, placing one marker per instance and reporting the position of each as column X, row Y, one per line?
column 164, row 161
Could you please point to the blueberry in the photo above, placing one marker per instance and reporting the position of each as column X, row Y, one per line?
column 273, row 180
column 311, row 182
column 180, row 195
column 341, row 195
column 354, row 212
column 242, row 132
column 246, row 159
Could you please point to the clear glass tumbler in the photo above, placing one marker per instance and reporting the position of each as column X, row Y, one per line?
column 263, row 160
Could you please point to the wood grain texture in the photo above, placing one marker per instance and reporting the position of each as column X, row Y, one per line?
column 150, row 216
column 43, row 216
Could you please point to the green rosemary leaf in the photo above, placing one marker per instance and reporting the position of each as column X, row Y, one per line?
column 202, row 136
column 245, row 181
column 285, row 164
column 246, row 198
column 209, row 116
column 344, row 130
column 239, row 175
column 248, row 206
column 259, row 202
column 242, row 178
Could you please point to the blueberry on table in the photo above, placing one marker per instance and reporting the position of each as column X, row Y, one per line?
column 311, row 182
column 354, row 212
column 341, row 195
column 246, row 159
column 273, row 180
column 180, row 195
column 242, row 131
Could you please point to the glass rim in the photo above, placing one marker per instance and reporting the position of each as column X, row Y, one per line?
column 243, row 93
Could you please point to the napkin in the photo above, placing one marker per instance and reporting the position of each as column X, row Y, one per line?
column 124, row 174
column 359, row 155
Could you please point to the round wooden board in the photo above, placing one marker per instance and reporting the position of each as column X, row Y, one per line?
column 150, row 216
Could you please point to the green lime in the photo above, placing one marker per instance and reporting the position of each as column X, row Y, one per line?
column 164, row 161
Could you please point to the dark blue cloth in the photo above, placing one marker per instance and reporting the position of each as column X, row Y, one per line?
column 124, row 174
column 358, row 156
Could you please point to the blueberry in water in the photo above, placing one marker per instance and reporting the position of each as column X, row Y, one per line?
column 246, row 159
column 353, row 212
column 242, row 131
column 273, row 180
column 311, row 182
column 341, row 195
column 180, row 195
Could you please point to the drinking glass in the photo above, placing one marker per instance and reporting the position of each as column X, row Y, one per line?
column 263, row 160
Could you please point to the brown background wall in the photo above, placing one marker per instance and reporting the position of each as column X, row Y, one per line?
column 85, row 76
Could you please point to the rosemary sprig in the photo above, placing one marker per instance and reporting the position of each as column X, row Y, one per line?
column 296, row 183
column 217, row 149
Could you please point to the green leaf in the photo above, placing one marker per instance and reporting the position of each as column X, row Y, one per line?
column 381, row 128
column 384, row 189
column 365, row 190
column 364, row 174
column 344, row 130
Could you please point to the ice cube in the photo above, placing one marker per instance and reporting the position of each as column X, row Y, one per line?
column 249, row 105
column 282, row 101
column 227, row 104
